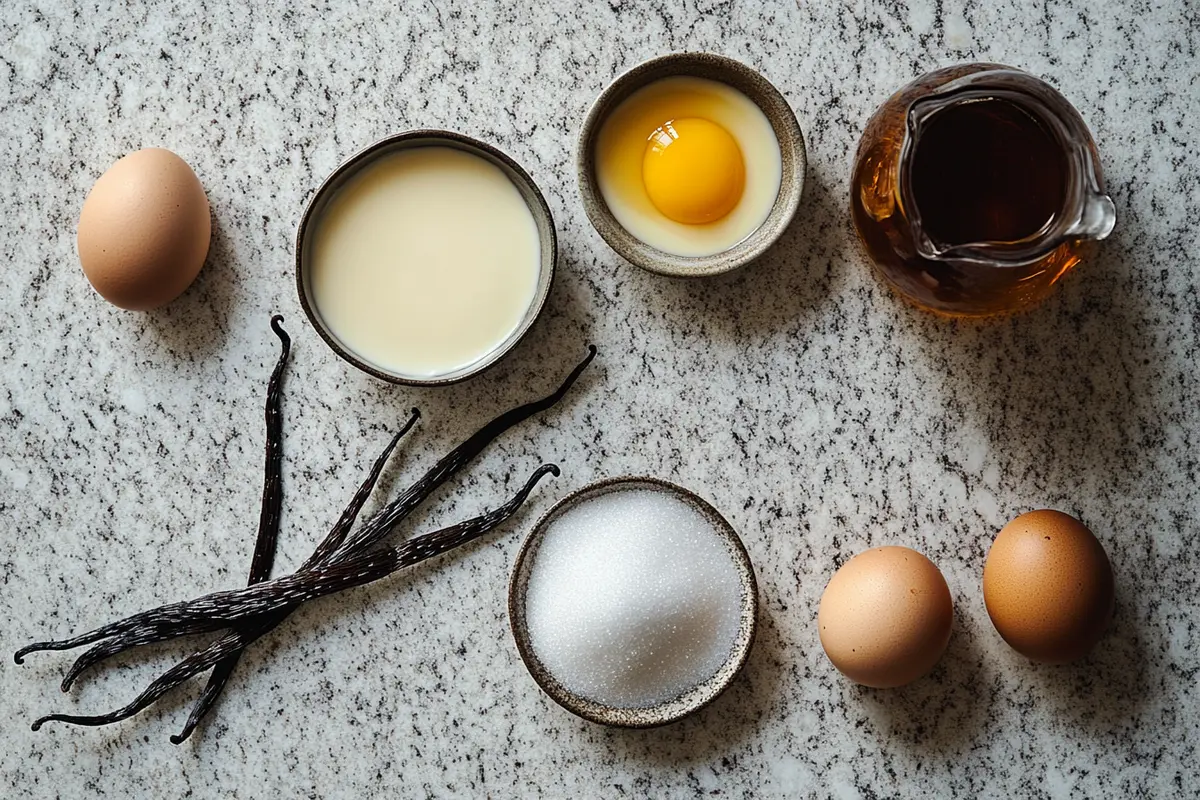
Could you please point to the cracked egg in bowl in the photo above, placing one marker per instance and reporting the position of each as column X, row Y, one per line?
column 685, row 170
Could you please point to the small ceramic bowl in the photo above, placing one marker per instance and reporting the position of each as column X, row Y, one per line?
column 748, row 82
column 691, row 700
column 402, row 141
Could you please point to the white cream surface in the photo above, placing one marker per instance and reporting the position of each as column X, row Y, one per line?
column 425, row 262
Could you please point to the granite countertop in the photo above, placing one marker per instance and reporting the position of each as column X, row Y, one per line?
column 817, row 411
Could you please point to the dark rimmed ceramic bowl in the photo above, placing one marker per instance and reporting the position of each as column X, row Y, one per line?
column 403, row 141
column 672, row 710
column 748, row 82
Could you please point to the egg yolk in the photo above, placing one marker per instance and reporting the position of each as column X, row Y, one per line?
column 693, row 170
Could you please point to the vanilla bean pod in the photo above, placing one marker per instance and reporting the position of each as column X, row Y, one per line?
column 383, row 522
column 301, row 587
column 148, row 633
column 339, row 562
column 213, row 611
column 272, row 508
column 332, row 551
column 205, row 702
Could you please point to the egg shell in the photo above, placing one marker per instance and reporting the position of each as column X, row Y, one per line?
column 885, row 617
column 1048, row 586
column 144, row 230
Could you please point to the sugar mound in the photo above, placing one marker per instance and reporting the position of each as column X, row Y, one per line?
column 632, row 599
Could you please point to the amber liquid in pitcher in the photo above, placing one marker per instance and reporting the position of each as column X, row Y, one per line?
column 975, row 188
column 987, row 171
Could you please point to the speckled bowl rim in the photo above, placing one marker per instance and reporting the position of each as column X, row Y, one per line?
column 429, row 137
column 672, row 710
column 750, row 83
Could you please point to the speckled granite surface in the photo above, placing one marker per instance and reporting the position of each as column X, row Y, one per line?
column 818, row 412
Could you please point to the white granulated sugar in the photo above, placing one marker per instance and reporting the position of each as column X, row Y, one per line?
column 632, row 599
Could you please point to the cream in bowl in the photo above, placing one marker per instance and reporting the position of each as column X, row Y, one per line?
column 426, row 257
column 633, row 602
column 691, row 164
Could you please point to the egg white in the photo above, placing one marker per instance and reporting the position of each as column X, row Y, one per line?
column 621, row 148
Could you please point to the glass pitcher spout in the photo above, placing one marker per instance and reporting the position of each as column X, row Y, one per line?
column 1096, row 220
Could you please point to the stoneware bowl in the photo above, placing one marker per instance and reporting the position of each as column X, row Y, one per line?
column 426, row 138
column 749, row 83
column 672, row 710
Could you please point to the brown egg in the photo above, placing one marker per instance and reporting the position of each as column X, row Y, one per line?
column 885, row 617
column 144, row 230
column 1048, row 586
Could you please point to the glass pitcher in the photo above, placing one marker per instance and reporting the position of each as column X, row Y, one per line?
column 976, row 188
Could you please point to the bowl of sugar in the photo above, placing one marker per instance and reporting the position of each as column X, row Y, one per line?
column 633, row 602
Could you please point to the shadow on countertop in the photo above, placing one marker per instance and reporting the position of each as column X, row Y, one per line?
column 196, row 324
column 1076, row 406
column 1070, row 394
column 965, row 697
column 783, row 291
column 1114, row 686
column 733, row 718
column 945, row 711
